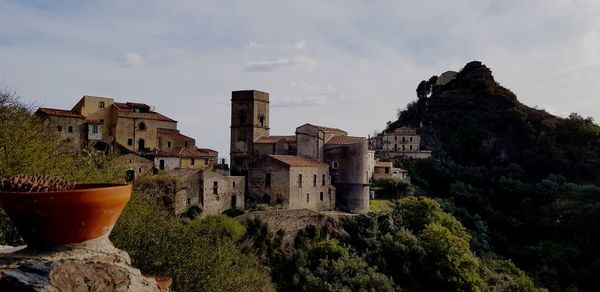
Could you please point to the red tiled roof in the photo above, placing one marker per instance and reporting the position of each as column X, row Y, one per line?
column 59, row 113
column 172, row 133
column 274, row 139
column 328, row 129
column 344, row 140
column 186, row 152
column 164, row 118
column 297, row 161
column 384, row 164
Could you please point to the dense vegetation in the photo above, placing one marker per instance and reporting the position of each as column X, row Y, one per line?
column 525, row 183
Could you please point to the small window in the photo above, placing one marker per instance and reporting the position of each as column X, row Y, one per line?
column 101, row 105
column 186, row 145
column 323, row 183
column 410, row 146
column 300, row 180
column 321, row 196
column 59, row 128
column 216, row 188
column 234, row 184
column 335, row 165
column 205, row 161
column 70, row 129
column 268, row 180
column 193, row 161
column 188, row 201
column 136, row 110
column 169, row 144
column 410, row 139
column 142, row 126
column 129, row 141
column 395, row 138
column 314, row 180
column 94, row 129
column 307, row 197
column 261, row 120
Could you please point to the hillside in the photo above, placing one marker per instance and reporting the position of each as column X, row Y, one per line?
column 473, row 120
column 523, row 181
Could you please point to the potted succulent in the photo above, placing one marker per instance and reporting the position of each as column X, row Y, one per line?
column 50, row 211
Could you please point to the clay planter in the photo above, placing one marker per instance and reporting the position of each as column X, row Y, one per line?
column 89, row 211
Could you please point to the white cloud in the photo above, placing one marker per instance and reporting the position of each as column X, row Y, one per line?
column 298, row 45
column 133, row 60
column 299, row 101
column 307, row 63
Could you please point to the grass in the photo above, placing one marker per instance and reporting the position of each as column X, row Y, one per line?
column 379, row 205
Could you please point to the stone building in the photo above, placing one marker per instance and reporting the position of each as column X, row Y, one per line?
column 181, row 157
column 403, row 142
column 346, row 157
column 70, row 126
column 291, row 182
column 213, row 192
column 134, row 165
column 386, row 170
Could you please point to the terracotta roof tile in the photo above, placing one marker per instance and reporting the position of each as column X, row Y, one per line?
column 345, row 140
column 183, row 152
column 164, row 118
column 297, row 161
column 59, row 113
column 172, row 133
column 274, row 139
column 329, row 129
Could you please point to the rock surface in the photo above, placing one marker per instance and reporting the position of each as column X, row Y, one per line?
column 91, row 266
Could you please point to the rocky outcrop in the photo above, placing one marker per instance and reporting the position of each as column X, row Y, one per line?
column 92, row 266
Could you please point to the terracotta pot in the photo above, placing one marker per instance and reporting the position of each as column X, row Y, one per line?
column 52, row 218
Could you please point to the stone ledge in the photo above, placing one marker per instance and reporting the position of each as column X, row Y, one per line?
column 92, row 266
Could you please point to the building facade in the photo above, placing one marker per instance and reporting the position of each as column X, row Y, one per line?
column 403, row 142
column 252, row 148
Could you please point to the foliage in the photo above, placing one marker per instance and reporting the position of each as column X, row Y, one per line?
column 202, row 255
column 391, row 188
column 523, row 182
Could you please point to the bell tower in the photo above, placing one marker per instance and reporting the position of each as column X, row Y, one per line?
column 249, row 121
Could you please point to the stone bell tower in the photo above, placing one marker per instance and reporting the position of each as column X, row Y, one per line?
column 249, row 121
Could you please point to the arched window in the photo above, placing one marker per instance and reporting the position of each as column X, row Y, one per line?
column 261, row 120
column 142, row 126
column 102, row 104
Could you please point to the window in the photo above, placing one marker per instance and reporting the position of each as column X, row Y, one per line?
column 410, row 139
column 335, row 165
column 300, row 180
column 323, row 183
column 314, row 180
column 193, row 161
column 403, row 139
column 70, row 129
column 321, row 196
column 268, row 180
column 234, row 184
column 59, row 128
column 169, row 144
column 387, row 170
column 185, row 144
column 101, row 105
column 216, row 188
column 94, row 129
column 307, row 197
column 395, row 138
column 129, row 141
column 261, row 120
column 188, row 201
column 161, row 164
column 205, row 161
column 410, row 146
column 136, row 110
column 142, row 126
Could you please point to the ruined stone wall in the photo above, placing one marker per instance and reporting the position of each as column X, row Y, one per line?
column 219, row 193
column 71, row 129
column 275, row 194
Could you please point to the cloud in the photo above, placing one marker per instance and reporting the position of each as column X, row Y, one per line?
column 298, row 45
column 133, row 60
column 307, row 63
column 298, row 101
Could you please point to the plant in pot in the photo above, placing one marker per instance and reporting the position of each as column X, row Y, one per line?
column 49, row 211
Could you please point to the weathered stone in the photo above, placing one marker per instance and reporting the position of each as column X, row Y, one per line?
column 91, row 266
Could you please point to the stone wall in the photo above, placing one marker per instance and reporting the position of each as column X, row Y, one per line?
column 351, row 176
column 68, row 129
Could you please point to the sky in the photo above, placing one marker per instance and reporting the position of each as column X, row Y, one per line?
column 346, row 64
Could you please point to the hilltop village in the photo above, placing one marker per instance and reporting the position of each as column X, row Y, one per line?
column 314, row 167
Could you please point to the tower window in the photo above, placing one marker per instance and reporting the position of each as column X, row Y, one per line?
column 321, row 196
column 323, row 183
column 307, row 197
column 335, row 165
column 101, row 105
column 261, row 120
column 142, row 126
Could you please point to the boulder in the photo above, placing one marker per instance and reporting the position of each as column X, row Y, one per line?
column 92, row 266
